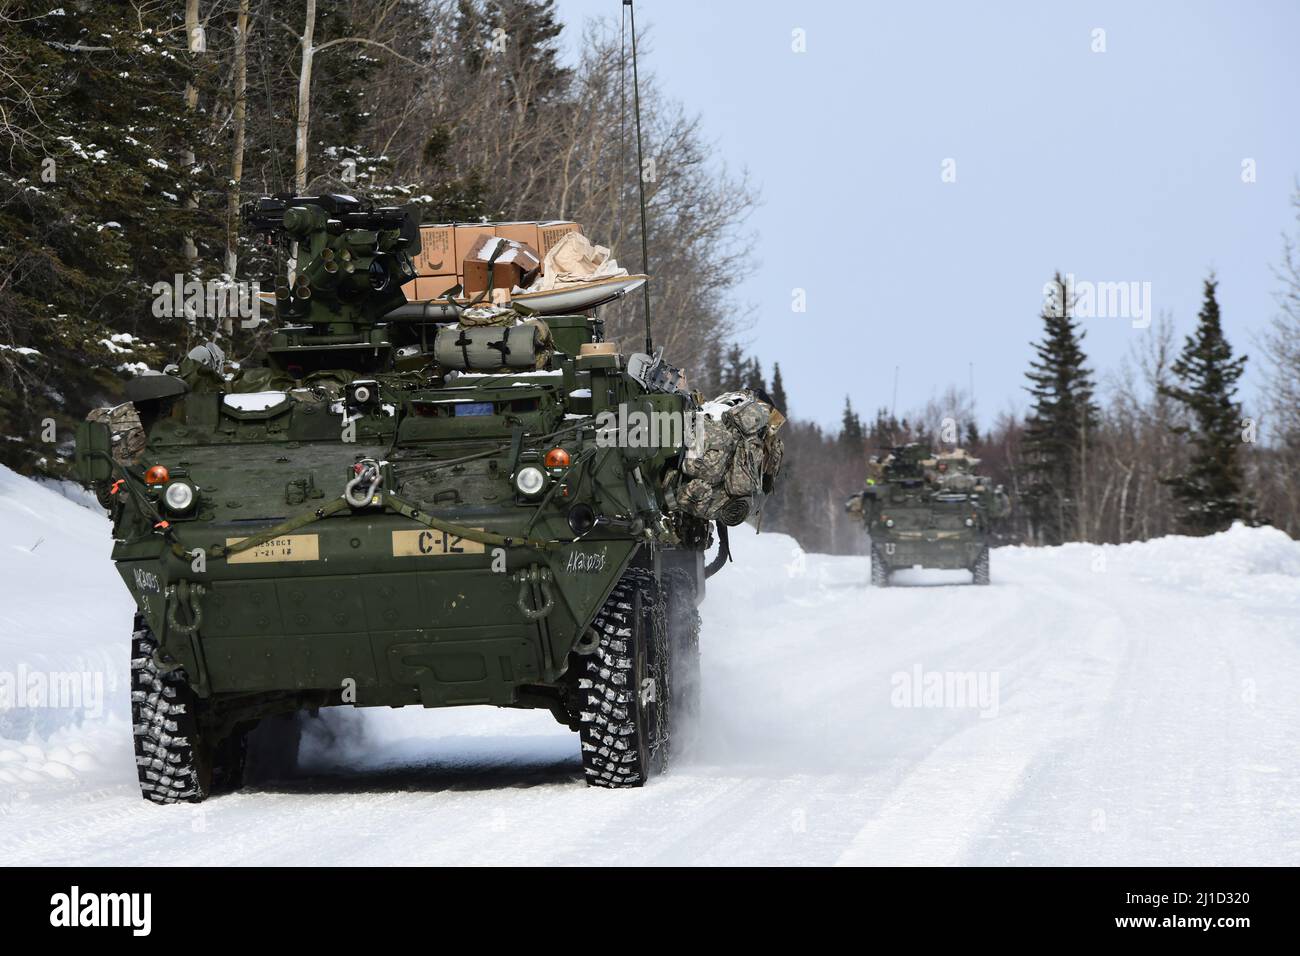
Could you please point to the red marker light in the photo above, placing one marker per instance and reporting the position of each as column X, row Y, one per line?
column 157, row 475
column 557, row 458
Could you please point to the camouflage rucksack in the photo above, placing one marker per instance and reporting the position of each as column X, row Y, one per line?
column 732, row 459
column 124, row 426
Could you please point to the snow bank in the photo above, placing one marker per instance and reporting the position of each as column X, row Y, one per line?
column 1240, row 563
column 65, row 623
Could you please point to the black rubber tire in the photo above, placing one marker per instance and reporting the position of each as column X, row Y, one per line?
column 171, row 760
column 879, row 569
column 980, row 570
column 176, row 760
column 622, row 693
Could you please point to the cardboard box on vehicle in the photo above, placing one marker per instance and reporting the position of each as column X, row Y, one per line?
column 466, row 236
column 540, row 235
column 428, row 287
column 549, row 233
column 437, row 253
column 516, row 265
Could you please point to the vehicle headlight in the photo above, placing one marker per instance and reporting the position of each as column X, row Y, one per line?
column 889, row 522
column 530, row 481
column 179, row 496
column 970, row 522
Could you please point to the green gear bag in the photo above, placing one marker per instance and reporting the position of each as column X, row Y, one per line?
column 489, row 348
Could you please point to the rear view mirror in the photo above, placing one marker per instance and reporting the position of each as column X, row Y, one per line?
column 93, row 459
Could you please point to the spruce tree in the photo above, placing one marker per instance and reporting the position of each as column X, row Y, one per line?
column 776, row 512
column 778, row 390
column 884, row 430
column 734, row 370
column 852, row 435
column 1060, row 426
column 519, row 36
column 1210, row 493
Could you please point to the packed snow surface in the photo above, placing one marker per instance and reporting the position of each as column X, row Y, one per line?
column 1095, row 705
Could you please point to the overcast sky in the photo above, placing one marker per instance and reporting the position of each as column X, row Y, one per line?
column 1117, row 166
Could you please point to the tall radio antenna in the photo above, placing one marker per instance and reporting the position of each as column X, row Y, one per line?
column 640, row 178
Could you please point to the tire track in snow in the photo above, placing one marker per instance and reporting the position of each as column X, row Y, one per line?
column 948, row 802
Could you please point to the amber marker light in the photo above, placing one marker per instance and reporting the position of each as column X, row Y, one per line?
column 157, row 475
column 557, row 458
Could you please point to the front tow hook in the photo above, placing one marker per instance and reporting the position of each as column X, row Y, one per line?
column 541, row 576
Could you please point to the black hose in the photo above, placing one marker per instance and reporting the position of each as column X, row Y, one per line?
column 724, row 551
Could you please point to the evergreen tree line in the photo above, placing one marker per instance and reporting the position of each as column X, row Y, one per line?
column 1162, row 446
column 131, row 133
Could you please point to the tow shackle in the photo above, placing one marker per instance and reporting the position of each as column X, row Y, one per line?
column 541, row 576
column 360, row 491
column 183, row 592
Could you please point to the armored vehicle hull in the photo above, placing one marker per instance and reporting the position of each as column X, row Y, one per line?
column 929, row 548
column 375, row 519
column 927, row 512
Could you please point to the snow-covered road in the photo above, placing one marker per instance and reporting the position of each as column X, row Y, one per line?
column 1095, row 705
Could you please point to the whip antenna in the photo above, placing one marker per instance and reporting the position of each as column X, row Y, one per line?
column 640, row 177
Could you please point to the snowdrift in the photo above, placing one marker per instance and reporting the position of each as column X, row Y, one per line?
column 64, row 694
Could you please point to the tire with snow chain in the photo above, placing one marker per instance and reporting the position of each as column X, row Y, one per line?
column 174, row 760
column 980, row 571
column 879, row 570
column 623, row 687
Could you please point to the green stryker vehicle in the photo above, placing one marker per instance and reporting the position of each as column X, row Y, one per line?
column 399, row 509
column 928, row 511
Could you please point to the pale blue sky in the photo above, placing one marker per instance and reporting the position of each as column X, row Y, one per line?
column 1117, row 166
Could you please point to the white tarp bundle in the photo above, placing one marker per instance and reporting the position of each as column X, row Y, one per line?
column 575, row 259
